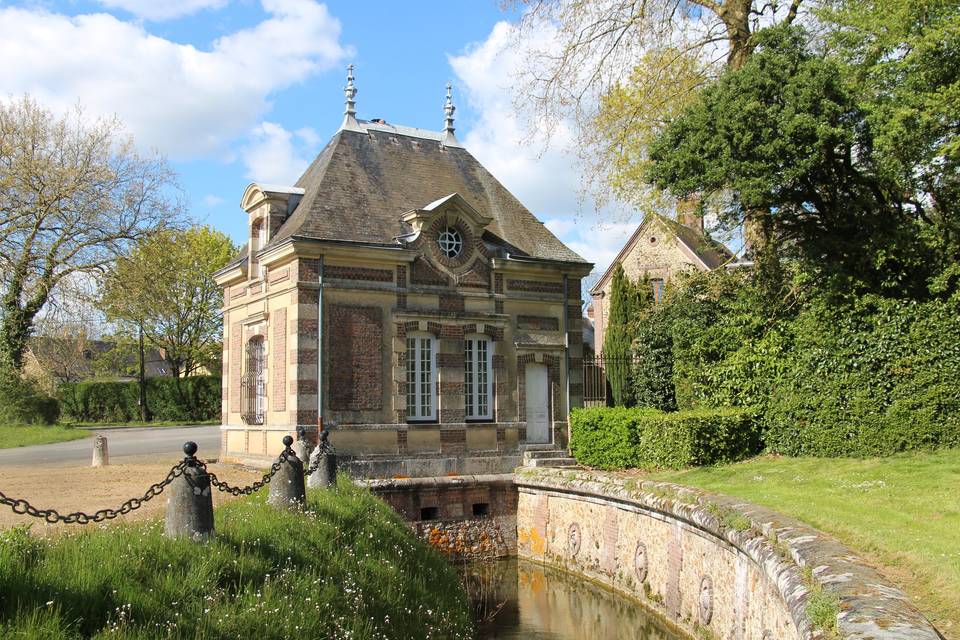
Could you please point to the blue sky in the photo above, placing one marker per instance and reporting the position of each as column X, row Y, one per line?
column 243, row 90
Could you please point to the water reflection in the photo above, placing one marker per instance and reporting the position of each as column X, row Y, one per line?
column 514, row 599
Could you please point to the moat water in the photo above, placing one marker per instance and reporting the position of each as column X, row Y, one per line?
column 517, row 599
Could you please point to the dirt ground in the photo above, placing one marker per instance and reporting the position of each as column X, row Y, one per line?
column 87, row 489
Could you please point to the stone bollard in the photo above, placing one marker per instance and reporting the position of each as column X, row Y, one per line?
column 101, row 456
column 286, row 488
column 301, row 447
column 326, row 473
column 190, row 501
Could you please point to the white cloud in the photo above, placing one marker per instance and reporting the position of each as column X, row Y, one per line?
column 158, row 10
column 276, row 155
column 210, row 200
column 546, row 181
column 179, row 99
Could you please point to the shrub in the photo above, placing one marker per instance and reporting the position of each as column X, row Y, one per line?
column 22, row 401
column 619, row 438
column 195, row 398
column 652, row 374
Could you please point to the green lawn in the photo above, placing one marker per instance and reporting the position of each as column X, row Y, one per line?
column 902, row 513
column 22, row 436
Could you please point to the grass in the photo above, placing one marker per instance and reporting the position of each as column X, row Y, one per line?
column 901, row 512
column 347, row 567
column 25, row 435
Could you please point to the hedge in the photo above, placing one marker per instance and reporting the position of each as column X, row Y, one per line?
column 874, row 379
column 620, row 438
column 23, row 402
column 198, row 398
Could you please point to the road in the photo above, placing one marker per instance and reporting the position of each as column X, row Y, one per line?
column 124, row 445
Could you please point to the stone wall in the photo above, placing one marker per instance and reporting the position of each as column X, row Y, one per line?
column 714, row 565
column 464, row 517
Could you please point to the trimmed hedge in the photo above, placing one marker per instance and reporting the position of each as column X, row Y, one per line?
column 873, row 379
column 198, row 398
column 620, row 438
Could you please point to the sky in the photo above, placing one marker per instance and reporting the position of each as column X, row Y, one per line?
column 236, row 91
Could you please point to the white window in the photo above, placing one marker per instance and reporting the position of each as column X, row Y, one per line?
column 421, row 378
column 478, row 379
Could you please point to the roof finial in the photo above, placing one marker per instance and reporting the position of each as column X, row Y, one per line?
column 448, row 136
column 350, row 93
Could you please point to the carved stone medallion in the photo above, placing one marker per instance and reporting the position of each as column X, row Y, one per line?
column 640, row 561
column 573, row 540
column 705, row 600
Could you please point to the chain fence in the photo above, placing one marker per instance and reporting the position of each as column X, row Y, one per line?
column 21, row 506
column 52, row 516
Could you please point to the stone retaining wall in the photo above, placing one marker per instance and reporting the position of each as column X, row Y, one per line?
column 718, row 567
column 465, row 517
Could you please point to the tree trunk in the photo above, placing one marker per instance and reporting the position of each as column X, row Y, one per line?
column 14, row 332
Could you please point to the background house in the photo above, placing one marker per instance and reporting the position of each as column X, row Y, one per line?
column 658, row 249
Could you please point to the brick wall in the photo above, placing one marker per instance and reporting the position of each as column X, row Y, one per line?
column 278, row 368
column 355, row 348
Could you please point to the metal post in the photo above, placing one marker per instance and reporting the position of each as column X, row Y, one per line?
column 320, row 274
column 286, row 488
column 325, row 458
column 190, row 503
column 142, row 380
column 101, row 456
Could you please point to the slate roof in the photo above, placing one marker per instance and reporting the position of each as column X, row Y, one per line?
column 358, row 187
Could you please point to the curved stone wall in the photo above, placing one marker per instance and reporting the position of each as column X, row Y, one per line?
column 716, row 566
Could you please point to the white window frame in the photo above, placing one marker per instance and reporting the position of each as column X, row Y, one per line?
column 478, row 377
column 420, row 385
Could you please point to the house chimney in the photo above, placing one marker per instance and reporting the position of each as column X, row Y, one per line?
column 689, row 213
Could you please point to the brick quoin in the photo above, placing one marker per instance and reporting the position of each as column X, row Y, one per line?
column 278, row 384
column 498, row 283
column 356, row 380
column 402, row 276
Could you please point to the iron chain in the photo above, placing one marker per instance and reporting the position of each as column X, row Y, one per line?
column 52, row 516
column 253, row 488
column 325, row 449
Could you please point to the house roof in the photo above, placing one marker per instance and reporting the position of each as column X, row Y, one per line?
column 360, row 185
column 708, row 251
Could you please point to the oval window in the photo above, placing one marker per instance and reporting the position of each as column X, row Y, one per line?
column 451, row 242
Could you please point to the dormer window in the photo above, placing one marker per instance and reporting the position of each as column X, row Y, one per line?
column 451, row 242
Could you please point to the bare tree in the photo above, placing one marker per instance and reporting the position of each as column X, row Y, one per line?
column 619, row 69
column 74, row 195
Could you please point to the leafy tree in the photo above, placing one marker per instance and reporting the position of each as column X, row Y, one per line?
column 902, row 62
column 166, row 288
column 74, row 195
column 782, row 140
column 618, row 334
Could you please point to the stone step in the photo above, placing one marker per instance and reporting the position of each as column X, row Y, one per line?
column 543, row 453
column 550, row 462
column 539, row 447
